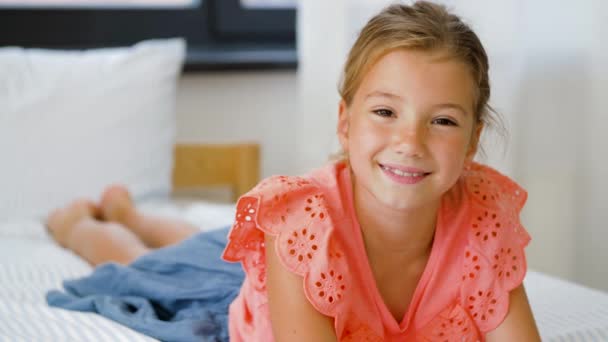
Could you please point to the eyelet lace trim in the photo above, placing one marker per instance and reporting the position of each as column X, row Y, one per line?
column 294, row 210
column 452, row 324
column 494, row 261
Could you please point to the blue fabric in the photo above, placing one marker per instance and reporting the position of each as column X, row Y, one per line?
column 177, row 293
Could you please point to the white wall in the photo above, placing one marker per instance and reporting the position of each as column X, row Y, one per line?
column 241, row 106
column 321, row 50
column 592, row 254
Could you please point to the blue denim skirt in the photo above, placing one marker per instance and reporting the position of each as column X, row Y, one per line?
column 177, row 293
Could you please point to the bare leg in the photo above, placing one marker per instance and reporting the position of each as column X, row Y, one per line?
column 155, row 231
column 76, row 228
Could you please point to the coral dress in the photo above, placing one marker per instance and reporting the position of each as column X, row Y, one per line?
column 477, row 257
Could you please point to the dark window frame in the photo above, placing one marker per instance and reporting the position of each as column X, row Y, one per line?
column 221, row 34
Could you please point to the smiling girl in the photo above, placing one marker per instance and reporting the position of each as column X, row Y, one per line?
column 405, row 238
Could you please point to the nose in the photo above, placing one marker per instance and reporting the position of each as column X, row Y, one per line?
column 409, row 140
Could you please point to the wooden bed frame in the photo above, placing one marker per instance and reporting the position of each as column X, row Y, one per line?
column 235, row 167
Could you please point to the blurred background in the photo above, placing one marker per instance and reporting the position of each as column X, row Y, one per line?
column 548, row 73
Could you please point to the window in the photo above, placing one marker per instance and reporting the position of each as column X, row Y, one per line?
column 221, row 34
column 119, row 4
column 269, row 3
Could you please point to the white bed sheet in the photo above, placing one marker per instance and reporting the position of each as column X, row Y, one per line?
column 31, row 264
column 28, row 269
column 565, row 311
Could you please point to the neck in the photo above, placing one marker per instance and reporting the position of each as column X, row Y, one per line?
column 396, row 233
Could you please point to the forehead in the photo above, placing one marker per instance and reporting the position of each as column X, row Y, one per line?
column 420, row 77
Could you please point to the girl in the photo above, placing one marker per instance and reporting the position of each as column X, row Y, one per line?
column 404, row 238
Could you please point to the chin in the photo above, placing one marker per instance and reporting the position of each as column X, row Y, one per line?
column 402, row 202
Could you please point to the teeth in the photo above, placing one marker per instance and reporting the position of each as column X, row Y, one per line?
column 403, row 173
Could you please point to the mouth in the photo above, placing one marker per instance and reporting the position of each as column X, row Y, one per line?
column 402, row 174
column 404, row 171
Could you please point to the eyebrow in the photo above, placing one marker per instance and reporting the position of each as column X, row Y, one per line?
column 397, row 97
column 383, row 94
column 452, row 106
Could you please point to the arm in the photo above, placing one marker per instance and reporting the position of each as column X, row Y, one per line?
column 519, row 324
column 292, row 316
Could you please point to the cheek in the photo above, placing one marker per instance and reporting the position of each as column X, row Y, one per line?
column 453, row 146
column 365, row 134
column 364, row 145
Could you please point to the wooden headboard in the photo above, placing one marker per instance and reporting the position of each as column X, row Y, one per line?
column 236, row 166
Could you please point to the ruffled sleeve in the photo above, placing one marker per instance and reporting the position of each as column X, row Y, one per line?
column 494, row 260
column 293, row 209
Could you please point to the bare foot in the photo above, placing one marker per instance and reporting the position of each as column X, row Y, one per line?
column 116, row 204
column 61, row 221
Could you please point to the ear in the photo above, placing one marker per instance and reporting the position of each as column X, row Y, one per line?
column 474, row 143
column 342, row 129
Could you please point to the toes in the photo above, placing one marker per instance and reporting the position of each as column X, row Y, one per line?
column 82, row 207
column 115, row 191
column 115, row 203
column 90, row 207
column 74, row 211
column 60, row 222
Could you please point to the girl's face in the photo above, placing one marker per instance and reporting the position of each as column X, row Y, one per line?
column 410, row 128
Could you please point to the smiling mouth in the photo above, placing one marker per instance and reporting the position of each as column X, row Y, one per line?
column 404, row 173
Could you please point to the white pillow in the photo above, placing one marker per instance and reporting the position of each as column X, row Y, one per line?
column 72, row 122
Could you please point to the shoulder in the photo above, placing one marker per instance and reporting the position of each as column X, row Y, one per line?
column 490, row 188
column 278, row 200
column 283, row 233
column 484, row 210
column 495, row 202
column 297, row 212
column 323, row 178
column 494, row 260
column 281, row 236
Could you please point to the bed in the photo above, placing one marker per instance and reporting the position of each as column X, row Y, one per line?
column 31, row 263
column 118, row 104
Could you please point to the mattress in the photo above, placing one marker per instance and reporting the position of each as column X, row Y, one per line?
column 31, row 264
column 565, row 311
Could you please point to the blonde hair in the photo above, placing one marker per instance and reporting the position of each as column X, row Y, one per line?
column 422, row 26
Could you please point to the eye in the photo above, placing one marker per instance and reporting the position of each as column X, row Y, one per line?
column 384, row 112
column 445, row 122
